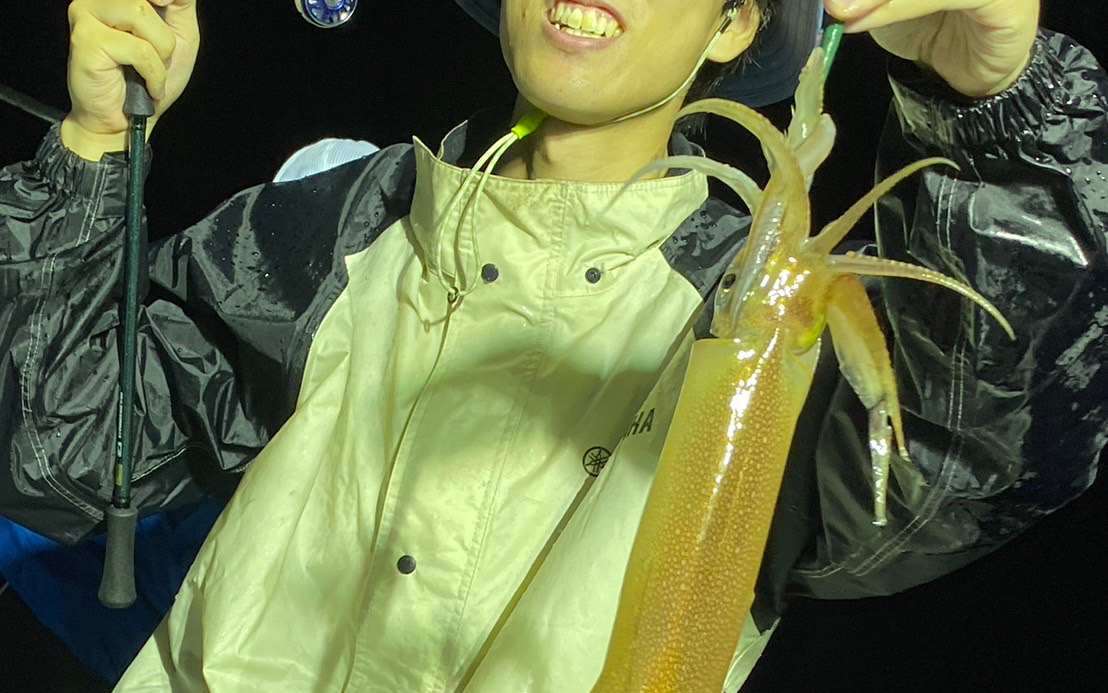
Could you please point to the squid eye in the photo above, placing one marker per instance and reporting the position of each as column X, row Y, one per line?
column 728, row 282
column 327, row 13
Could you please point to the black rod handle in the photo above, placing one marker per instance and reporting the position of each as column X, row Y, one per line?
column 117, row 587
column 137, row 102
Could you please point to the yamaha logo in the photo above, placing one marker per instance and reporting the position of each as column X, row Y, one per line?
column 595, row 459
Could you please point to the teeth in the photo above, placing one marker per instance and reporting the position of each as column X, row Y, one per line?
column 578, row 32
column 578, row 21
column 576, row 18
column 589, row 24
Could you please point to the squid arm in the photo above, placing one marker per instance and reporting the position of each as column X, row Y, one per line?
column 864, row 362
column 853, row 263
column 743, row 185
column 836, row 231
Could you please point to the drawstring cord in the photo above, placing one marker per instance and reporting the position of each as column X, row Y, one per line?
column 728, row 19
column 484, row 166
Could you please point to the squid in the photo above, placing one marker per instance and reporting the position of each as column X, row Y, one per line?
column 690, row 579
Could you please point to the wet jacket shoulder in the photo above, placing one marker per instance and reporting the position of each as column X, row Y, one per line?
column 999, row 432
column 231, row 307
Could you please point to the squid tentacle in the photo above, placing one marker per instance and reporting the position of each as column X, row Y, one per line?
column 853, row 263
column 782, row 162
column 814, row 150
column 811, row 133
column 864, row 362
column 743, row 185
column 833, row 233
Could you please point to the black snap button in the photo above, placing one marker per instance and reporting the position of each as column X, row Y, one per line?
column 593, row 275
column 490, row 273
column 406, row 565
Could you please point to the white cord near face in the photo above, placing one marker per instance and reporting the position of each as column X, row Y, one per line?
column 731, row 15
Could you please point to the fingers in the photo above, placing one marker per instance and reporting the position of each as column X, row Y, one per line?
column 136, row 17
column 97, row 46
column 126, row 49
column 865, row 15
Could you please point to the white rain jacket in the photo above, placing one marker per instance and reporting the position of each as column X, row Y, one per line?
column 428, row 437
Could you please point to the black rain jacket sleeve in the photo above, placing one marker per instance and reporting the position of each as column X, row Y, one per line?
column 999, row 433
column 224, row 331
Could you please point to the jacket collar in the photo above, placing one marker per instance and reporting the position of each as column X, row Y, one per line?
column 560, row 218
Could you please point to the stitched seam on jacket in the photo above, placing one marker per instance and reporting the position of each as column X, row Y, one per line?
column 37, row 320
column 161, row 463
column 942, row 485
column 90, row 217
column 28, row 413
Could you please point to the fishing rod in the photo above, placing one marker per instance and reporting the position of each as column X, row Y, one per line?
column 117, row 585
column 29, row 105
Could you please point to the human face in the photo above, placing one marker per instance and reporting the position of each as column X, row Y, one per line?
column 646, row 52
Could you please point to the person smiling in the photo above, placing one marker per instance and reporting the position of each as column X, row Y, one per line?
column 449, row 396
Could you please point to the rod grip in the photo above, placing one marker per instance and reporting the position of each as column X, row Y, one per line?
column 117, row 586
column 137, row 102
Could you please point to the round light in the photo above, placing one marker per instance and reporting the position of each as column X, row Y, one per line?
column 326, row 14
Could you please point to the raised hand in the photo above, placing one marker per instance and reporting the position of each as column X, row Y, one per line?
column 979, row 47
column 105, row 35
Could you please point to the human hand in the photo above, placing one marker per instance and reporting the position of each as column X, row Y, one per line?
column 105, row 35
column 980, row 47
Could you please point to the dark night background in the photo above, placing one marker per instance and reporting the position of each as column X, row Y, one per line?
column 1029, row 618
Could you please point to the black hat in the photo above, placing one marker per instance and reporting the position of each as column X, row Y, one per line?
column 773, row 68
